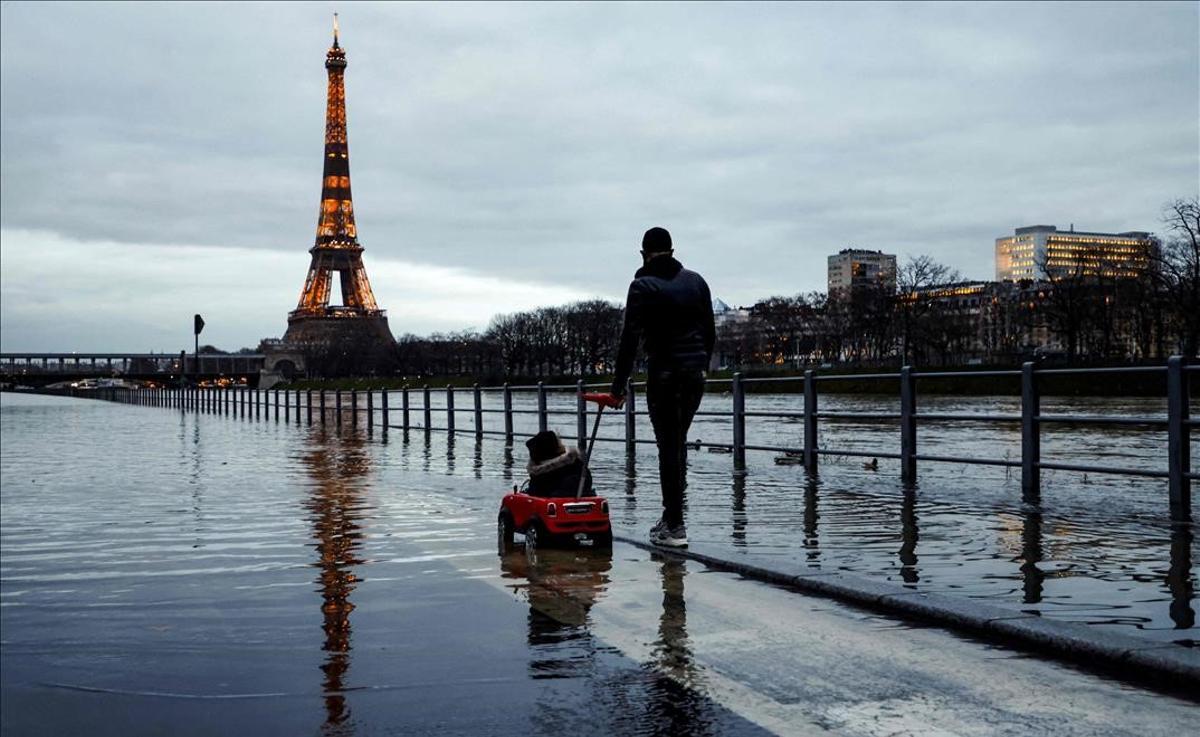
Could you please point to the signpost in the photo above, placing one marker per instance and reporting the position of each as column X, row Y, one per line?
column 197, row 326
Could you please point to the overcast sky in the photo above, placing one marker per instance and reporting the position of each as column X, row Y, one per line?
column 160, row 160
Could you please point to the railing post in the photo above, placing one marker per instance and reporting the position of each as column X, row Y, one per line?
column 543, row 420
column 739, row 422
column 404, row 408
column 1179, row 450
column 353, row 408
column 299, row 419
column 276, row 405
column 321, row 404
column 1031, row 440
column 337, row 407
column 630, row 421
column 478, row 412
column 508, row 420
column 427, row 410
column 287, row 406
column 370, row 411
column 908, row 425
column 308, row 401
column 810, row 421
column 580, row 416
column 383, row 409
column 449, row 409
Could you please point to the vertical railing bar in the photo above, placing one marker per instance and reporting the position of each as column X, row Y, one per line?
column 908, row 425
column 739, row 422
column 478, row 397
column 543, row 419
column 450, row 409
column 383, row 409
column 810, row 421
column 1031, row 441
column 370, row 412
column 428, row 410
column 630, row 421
column 1179, row 461
column 508, row 416
column 580, row 415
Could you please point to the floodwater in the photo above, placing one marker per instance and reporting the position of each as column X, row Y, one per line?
column 1098, row 549
column 167, row 573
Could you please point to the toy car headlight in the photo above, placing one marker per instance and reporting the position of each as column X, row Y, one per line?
column 551, row 510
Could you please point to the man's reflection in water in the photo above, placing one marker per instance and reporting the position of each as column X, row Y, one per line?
column 909, row 534
column 676, row 706
column 1179, row 576
column 337, row 466
column 1031, row 554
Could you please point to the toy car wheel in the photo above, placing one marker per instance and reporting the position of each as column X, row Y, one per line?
column 504, row 532
column 602, row 539
column 534, row 535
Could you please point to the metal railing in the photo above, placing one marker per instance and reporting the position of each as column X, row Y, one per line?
column 259, row 404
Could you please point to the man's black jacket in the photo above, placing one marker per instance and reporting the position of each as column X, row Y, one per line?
column 670, row 309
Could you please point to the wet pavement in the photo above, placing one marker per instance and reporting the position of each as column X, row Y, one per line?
column 182, row 575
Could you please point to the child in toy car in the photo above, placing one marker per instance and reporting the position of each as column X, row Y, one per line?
column 554, row 470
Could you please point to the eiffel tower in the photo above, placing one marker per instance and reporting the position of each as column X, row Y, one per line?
column 358, row 319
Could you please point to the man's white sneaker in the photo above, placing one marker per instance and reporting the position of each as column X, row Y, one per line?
column 675, row 537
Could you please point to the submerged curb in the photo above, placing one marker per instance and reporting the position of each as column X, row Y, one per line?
column 1173, row 666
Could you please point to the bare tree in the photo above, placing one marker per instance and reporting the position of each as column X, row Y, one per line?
column 916, row 309
column 1177, row 266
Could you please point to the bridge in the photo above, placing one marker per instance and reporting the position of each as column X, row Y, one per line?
column 40, row 369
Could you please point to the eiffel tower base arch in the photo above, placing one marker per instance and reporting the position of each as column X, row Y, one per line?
column 361, row 345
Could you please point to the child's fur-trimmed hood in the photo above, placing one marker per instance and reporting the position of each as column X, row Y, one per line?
column 560, row 461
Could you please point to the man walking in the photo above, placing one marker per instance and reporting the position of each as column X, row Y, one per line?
column 669, row 310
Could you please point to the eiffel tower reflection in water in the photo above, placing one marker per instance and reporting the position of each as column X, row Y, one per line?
column 338, row 466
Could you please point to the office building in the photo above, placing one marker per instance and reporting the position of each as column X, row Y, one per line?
column 855, row 268
column 1044, row 251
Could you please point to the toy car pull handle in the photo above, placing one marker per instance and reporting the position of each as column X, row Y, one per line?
column 604, row 399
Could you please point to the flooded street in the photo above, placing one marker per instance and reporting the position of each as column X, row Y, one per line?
column 182, row 574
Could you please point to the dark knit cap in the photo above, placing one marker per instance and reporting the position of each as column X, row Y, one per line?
column 543, row 446
column 656, row 240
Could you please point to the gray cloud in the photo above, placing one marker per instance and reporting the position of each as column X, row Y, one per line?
column 536, row 142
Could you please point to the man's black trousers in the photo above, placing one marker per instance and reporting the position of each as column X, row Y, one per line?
column 673, row 398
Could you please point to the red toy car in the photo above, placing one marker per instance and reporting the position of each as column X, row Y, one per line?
column 570, row 520
column 556, row 520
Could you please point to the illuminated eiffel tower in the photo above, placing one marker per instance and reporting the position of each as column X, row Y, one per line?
column 358, row 318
